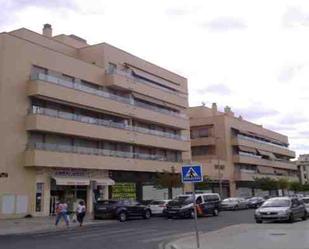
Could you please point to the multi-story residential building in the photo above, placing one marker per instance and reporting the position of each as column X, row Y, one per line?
column 303, row 168
column 82, row 121
column 234, row 152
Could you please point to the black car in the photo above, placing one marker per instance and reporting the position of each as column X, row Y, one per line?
column 255, row 202
column 182, row 206
column 121, row 209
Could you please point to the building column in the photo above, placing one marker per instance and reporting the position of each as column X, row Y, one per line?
column 90, row 198
column 232, row 188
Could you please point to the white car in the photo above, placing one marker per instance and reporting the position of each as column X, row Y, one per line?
column 157, row 207
column 306, row 202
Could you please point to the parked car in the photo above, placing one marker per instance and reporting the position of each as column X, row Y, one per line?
column 255, row 202
column 281, row 209
column 234, row 203
column 182, row 206
column 157, row 207
column 121, row 209
column 306, row 203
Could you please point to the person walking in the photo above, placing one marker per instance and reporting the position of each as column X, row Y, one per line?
column 62, row 212
column 80, row 212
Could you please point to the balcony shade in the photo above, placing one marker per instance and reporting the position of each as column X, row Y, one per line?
column 105, row 181
column 247, row 149
column 268, row 154
column 72, row 181
column 265, row 170
column 281, row 172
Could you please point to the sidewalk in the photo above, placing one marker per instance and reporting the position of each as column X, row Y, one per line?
column 253, row 236
column 42, row 224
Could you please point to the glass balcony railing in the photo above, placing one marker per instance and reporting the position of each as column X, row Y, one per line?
column 129, row 75
column 240, row 136
column 101, row 122
column 94, row 151
column 99, row 92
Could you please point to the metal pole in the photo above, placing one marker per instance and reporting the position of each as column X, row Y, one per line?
column 195, row 218
column 220, row 180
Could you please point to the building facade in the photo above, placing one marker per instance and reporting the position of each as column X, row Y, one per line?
column 234, row 152
column 82, row 121
column 303, row 168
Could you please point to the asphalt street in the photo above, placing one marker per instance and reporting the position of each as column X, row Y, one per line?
column 133, row 234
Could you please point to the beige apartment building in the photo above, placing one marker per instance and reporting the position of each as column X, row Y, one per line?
column 82, row 121
column 234, row 151
column 303, row 168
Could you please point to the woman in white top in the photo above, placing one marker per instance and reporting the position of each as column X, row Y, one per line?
column 80, row 212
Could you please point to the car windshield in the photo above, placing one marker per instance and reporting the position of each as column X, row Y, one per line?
column 184, row 199
column 277, row 203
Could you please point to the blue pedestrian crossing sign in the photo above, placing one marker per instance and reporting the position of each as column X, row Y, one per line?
column 191, row 173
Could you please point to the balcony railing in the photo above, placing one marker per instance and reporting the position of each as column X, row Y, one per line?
column 101, row 122
column 128, row 74
column 241, row 153
column 95, row 151
column 99, row 92
column 240, row 136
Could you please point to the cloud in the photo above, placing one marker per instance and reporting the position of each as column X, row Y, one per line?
column 177, row 12
column 223, row 24
column 295, row 16
column 255, row 111
column 288, row 73
column 9, row 9
column 219, row 89
column 293, row 119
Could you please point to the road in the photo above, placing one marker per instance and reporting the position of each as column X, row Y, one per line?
column 133, row 234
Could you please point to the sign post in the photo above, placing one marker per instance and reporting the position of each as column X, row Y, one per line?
column 192, row 174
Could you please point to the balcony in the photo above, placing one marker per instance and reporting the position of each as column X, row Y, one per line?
column 120, row 105
column 99, row 92
column 203, row 141
column 262, row 145
column 50, row 155
column 247, row 175
column 256, row 160
column 126, row 80
column 83, row 126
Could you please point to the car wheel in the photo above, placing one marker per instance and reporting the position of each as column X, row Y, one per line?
column 122, row 216
column 291, row 218
column 305, row 216
column 258, row 221
column 147, row 214
column 215, row 212
column 192, row 214
column 95, row 217
column 235, row 208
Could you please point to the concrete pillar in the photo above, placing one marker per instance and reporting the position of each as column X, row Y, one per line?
column 90, row 198
column 232, row 189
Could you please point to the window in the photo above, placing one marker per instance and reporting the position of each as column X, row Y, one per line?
column 39, row 70
column 111, row 67
column 39, row 197
column 199, row 150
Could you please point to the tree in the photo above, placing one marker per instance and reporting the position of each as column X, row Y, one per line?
column 169, row 180
column 295, row 186
column 283, row 184
column 204, row 184
column 266, row 183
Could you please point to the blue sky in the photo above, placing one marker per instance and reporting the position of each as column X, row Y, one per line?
column 251, row 55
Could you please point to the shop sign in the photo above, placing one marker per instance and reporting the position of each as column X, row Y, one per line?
column 124, row 191
column 71, row 173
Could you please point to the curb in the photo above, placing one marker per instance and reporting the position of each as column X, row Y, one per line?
column 54, row 229
column 163, row 244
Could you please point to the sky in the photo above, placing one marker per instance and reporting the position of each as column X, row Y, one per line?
column 251, row 55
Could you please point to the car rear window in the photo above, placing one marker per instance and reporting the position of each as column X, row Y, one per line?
column 157, row 202
column 306, row 200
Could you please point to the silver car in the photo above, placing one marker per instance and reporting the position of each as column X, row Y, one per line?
column 234, row 203
column 306, row 202
column 281, row 209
